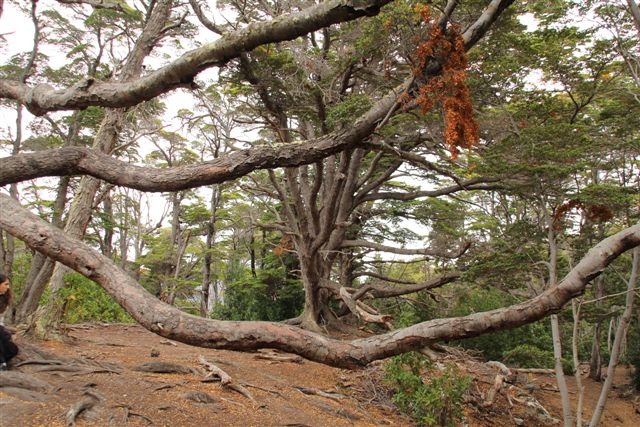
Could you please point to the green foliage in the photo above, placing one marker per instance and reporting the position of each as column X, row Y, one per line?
column 438, row 401
column 84, row 300
column 633, row 353
column 529, row 356
column 269, row 296
column 346, row 112
column 495, row 344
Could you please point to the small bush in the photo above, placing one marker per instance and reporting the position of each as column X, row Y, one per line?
column 438, row 401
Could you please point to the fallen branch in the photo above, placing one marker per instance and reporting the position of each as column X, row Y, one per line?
column 224, row 378
column 533, row 371
column 278, row 357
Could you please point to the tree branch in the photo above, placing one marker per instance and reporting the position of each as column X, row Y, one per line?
column 170, row 322
column 405, row 251
column 180, row 73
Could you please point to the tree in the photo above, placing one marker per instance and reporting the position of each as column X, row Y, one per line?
column 344, row 147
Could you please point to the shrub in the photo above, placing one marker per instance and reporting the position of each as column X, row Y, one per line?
column 84, row 300
column 438, row 401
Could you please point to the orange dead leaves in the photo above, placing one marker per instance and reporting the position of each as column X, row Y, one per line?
column 285, row 245
column 594, row 212
column 450, row 88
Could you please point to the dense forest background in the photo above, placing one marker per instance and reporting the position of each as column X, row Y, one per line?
column 480, row 188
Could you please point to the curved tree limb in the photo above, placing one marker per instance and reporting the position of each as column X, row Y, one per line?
column 378, row 291
column 170, row 322
column 180, row 73
column 405, row 251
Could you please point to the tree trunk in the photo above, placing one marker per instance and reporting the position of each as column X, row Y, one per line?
column 170, row 322
column 595, row 364
column 621, row 332
column 41, row 267
column 575, row 310
column 562, row 383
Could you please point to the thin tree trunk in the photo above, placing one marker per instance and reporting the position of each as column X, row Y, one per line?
column 621, row 332
column 595, row 364
column 575, row 310
column 562, row 383
column 555, row 326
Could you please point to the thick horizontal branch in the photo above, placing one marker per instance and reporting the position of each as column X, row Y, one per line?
column 405, row 251
column 379, row 291
column 485, row 184
column 97, row 4
column 169, row 322
column 85, row 161
column 180, row 73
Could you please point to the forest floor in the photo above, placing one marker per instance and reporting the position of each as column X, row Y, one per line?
column 106, row 368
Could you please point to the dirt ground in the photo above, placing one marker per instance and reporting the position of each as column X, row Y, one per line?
column 97, row 367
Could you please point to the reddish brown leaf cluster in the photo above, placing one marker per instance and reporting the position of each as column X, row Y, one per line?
column 284, row 245
column 450, row 88
column 593, row 212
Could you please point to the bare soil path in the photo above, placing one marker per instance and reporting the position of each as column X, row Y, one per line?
column 102, row 367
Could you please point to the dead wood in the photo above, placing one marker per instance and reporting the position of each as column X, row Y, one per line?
column 224, row 378
column 165, row 368
column 328, row 394
column 167, row 342
column 278, row 357
column 493, row 391
column 533, row 371
column 24, row 381
column 88, row 401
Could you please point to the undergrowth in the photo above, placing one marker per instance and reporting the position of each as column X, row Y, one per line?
column 430, row 396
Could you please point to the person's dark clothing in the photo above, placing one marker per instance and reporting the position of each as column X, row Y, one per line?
column 8, row 349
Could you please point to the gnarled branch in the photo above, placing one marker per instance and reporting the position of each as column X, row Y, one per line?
column 170, row 322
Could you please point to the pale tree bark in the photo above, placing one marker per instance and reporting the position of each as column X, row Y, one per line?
column 595, row 363
column 620, row 336
column 555, row 325
column 8, row 252
column 635, row 13
column 170, row 322
column 105, row 141
column 181, row 72
column 575, row 310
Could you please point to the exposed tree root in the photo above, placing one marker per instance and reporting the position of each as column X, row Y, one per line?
column 278, row 357
column 40, row 362
column 224, row 378
column 88, row 401
column 128, row 413
column 25, row 381
column 166, row 368
column 328, row 394
column 268, row 390
column 199, row 397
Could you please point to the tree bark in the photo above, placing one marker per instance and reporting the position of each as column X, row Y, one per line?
column 170, row 322
column 621, row 333
column 595, row 364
